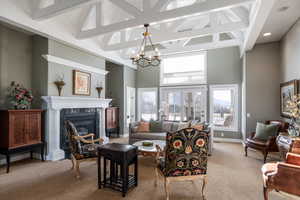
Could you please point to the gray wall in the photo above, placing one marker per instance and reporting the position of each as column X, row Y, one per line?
column 262, row 84
column 290, row 54
column 76, row 55
column 15, row 61
column 39, row 69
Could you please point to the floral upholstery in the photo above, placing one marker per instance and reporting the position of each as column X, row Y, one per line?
column 78, row 149
column 186, row 153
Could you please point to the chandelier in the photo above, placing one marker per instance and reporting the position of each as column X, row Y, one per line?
column 153, row 57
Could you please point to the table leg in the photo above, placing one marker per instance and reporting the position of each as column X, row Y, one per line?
column 99, row 172
column 7, row 163
column 43, row 152
column 104, row 173
column 124, row 179
column 136, row 172
column 31, row 155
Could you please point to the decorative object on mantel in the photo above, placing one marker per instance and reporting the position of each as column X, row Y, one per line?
column 60, row 83
column 293, row 107
column 19, row 96
column 99, row 88
column 141, row 59
column 81, row 83
column 287, row 91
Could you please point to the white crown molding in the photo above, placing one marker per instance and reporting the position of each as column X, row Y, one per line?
column 73, row 64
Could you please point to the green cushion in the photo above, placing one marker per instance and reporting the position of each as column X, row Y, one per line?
column 263, row 131
column 156, row 126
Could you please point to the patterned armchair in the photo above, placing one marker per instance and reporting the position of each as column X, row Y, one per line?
column 82, row 148
column 185, row 157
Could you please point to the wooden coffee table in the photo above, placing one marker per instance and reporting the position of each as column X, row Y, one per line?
column 152, row 150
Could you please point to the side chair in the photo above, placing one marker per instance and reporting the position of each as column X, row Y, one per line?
column 82, row 148
column 184, row 159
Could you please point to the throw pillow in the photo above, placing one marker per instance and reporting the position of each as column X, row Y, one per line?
column 263, row 131
column 183, row 125
column 155, row 126
column 198, row 126
column 143, row 127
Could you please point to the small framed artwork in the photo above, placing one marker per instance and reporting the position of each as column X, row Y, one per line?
column 81, row 83
column 287, row 91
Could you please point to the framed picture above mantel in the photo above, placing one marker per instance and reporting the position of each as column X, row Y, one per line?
column 81, row 83
column 287, row 91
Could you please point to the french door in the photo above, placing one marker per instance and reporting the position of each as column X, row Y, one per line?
column 184, row 103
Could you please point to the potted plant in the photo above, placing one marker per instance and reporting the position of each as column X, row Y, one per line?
column 20, row 97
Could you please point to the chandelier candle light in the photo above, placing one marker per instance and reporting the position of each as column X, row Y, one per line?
column 141, row 59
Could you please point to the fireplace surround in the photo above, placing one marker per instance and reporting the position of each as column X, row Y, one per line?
column 55, row 106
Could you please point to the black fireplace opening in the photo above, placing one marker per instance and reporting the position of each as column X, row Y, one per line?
column 86, row 120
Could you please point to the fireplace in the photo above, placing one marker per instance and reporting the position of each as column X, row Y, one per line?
column 86, row 120
column 92, row 110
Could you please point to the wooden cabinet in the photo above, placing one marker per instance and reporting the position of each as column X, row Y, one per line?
column 21, row 130
column 112, row 121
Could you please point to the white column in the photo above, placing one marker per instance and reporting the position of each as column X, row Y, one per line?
column 53, row 135
column 102, row 126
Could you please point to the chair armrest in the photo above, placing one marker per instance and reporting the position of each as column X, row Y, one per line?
column 251, row 136
column 160, row 152
column 92, row 141
column 87, row 135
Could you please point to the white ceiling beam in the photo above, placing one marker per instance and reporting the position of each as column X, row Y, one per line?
column 199, row 47
column 166, row 36
column 58, row 8
column 127, row 7
column 241, row 13
column 146, row 5
column 160, row 5
column 260, row 12
column 200, row 8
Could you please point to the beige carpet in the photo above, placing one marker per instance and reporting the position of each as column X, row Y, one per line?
column 231, row 176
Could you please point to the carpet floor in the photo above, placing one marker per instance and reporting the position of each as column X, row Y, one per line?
column 231, row 176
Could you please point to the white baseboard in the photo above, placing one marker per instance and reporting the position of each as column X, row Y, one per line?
column 216, row 139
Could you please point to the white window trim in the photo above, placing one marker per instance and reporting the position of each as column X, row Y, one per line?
column 235, row 87
column 140, row 91
column 188, row 88
column 185, row 54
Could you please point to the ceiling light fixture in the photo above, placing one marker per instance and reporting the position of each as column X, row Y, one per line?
column 141, row 59
column 267, row 34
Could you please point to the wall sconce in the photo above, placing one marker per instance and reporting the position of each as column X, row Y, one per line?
column 99, row 88
column 60, row 83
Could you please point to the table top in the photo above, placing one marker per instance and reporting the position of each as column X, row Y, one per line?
column 152, row 149
column 116, row 147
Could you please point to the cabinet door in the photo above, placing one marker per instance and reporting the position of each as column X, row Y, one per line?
column 17, row 130
column 109, row 115
column 33, row 127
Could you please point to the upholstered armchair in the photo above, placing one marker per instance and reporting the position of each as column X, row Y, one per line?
column 265, row 146
column 83, row 148
column 184, row 158
column 283, row 177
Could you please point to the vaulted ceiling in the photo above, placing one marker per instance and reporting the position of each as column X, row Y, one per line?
column 116, row 26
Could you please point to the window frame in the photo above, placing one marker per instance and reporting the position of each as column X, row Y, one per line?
column 235, row 88
column 182, row 55
column 181, row 88
column 139, row 92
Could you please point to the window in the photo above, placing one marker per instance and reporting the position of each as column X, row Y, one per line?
column 184, row 70
column 147, row 104
column 224, row 107
column 183, row 104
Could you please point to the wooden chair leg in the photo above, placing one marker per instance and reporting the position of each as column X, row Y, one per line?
column 203, row 187
column 156, row 177
column 265, row 153
column 77, row 169
column 73, row 160
column 246, row 150
column 266, row 193
column 167, row 188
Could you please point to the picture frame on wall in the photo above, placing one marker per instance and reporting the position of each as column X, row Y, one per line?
column 287, row 91
column 81, row 83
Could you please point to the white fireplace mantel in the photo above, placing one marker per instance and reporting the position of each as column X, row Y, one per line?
column 53, row 105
